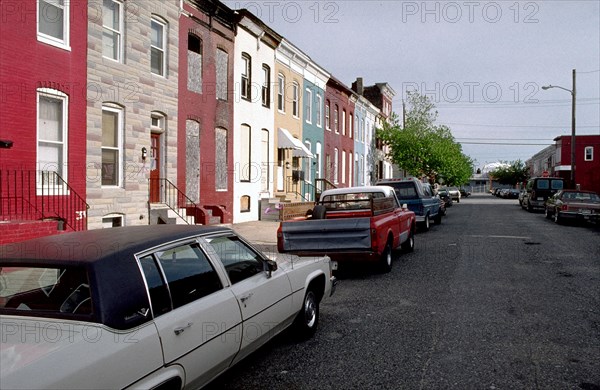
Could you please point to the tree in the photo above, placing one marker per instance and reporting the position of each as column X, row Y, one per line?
column 512, row 173
column 422, row 148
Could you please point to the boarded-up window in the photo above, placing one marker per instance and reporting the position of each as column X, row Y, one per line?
column 245, row 204
column 221, row 159
column 192, row 160
column 194, row 58
column 222, row 65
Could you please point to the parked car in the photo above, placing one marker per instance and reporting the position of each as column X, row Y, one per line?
column 154, row 307
column 419, row 198
column 464, row 192
column 355, row 223
column 512, row 194
column 454, row 194
column 574, row 205
column 445, row 197
column 539, row 189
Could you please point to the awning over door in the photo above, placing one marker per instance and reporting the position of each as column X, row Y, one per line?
column 286, row 141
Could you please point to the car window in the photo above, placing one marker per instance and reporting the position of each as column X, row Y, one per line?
column 543, row 184
column 187, row 272
column 556, row 184
column 239, row 260
column 405, row 190
column 48, row 291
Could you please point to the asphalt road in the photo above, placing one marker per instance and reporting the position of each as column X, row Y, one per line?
column 494, row 298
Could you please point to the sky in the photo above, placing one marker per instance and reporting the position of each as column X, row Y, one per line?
column 482, row 63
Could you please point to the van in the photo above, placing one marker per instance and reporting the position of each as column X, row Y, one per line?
column 539, row 189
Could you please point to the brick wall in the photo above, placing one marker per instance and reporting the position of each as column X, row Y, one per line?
column 24, row 230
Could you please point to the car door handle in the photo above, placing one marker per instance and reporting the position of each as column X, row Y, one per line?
column 245, row 298
column 181, row 329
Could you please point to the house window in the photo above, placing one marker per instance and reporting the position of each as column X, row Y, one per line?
column 343, row 166
column 112, row 30
column 281, row 92
column 319, row 110
column 308, row 163
column 222, row 64
column 318, row 160
column 589, row 153
column 266, row 87
column 335, row 120
column 350, row 128
column 327, row 118
column 343, row 122
column 53, row 22
column 335, row 166
column 158, row 39
column 308, row 106
column 245, row 204
column 350, row 162
column 245, row 163
column 113, row 220
column 221, row 159
column 112, row 134
column 265, row 176
column 194, row 58
column 362, row 130
column 246, row 75
column 52, row 138
column 295, row 99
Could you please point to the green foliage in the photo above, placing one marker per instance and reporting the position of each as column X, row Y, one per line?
column 511, row 173
column 424, row 149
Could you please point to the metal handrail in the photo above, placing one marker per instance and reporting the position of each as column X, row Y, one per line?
column 176, row 199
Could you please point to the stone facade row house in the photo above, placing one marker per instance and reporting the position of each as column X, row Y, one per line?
column 117, row 113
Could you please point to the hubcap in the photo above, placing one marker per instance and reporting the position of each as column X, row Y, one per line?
column 310, row 311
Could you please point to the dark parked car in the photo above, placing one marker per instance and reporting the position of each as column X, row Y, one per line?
column 573, row 204
column 464, row 192
column 510, row 194
column 445, row 197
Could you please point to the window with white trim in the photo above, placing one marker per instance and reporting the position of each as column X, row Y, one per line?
column 52, row 128
column 350, row 128
column 350, row 163
column 343, row 166
column 335, row 165
column 246, row 76
column 327, row 116
column 336, row 119
column 158, row 41
column 245, row 156
column 266, row 87
column 112, row 145
column 53, row 22
column 343, row 122
column 589, row 153
column 281, row 92
column 319, row 110
column 112, row 220
column 112, row 30
column 295, row 99
column 308, row 106
column 308, row 163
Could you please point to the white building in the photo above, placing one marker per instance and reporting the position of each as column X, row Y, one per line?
column 253, row 121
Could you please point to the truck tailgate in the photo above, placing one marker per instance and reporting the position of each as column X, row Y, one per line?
column 327, row 235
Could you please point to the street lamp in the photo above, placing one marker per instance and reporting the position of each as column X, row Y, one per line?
column 573, row 98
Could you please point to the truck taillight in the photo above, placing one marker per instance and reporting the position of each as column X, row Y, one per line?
column 373, row 238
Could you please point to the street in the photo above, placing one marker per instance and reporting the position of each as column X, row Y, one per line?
column 493, row 298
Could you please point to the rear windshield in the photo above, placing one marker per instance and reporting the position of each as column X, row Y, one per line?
column 405, row 190
column 44, row 291
column 546, row 184
column 353, row 201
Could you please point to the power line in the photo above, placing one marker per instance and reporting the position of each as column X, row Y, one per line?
column 501, row 143
column 519, row 126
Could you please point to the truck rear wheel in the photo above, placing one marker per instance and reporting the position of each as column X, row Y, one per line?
column 425, row 224
column 386, row 258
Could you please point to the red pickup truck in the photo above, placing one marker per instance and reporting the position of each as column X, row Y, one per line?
column 356, row 223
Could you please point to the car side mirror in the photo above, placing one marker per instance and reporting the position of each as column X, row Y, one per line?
column 270, row 266
column 404, row 206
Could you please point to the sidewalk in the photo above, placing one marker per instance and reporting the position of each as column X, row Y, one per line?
column 258, row 232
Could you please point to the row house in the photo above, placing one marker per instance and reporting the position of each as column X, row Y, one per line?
column 132, row 102
column 43, row 78
column 367, row 120
column 254, row 116
column 290, row 65
column 339, row 138
column 205, row 150
column 555, row 160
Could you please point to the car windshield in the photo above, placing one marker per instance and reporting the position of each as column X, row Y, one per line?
column 37, row 290
column 581, row 196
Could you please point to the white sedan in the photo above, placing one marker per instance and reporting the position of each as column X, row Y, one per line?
column 150, row 307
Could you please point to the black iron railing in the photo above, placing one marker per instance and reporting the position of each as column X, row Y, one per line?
column 164, row 191
column 34, row 195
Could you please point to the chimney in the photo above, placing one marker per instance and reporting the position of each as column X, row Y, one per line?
column 357, row 86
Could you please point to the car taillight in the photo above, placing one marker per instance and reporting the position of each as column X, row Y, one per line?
column 564, row 207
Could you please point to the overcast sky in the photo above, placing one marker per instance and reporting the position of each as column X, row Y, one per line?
column 483, row 63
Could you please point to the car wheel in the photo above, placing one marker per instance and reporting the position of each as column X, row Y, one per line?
column 529, row 207
column 458, row 200
column 425, row 224
column 557, row 217
column 409, row 244
column 308, row 317
column 438, row 218
column 386, row 258
column 547, row 213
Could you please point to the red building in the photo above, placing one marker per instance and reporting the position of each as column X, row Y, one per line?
column 338, row 134
column 587, row 161
column 43, row 65
column 205, row 126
